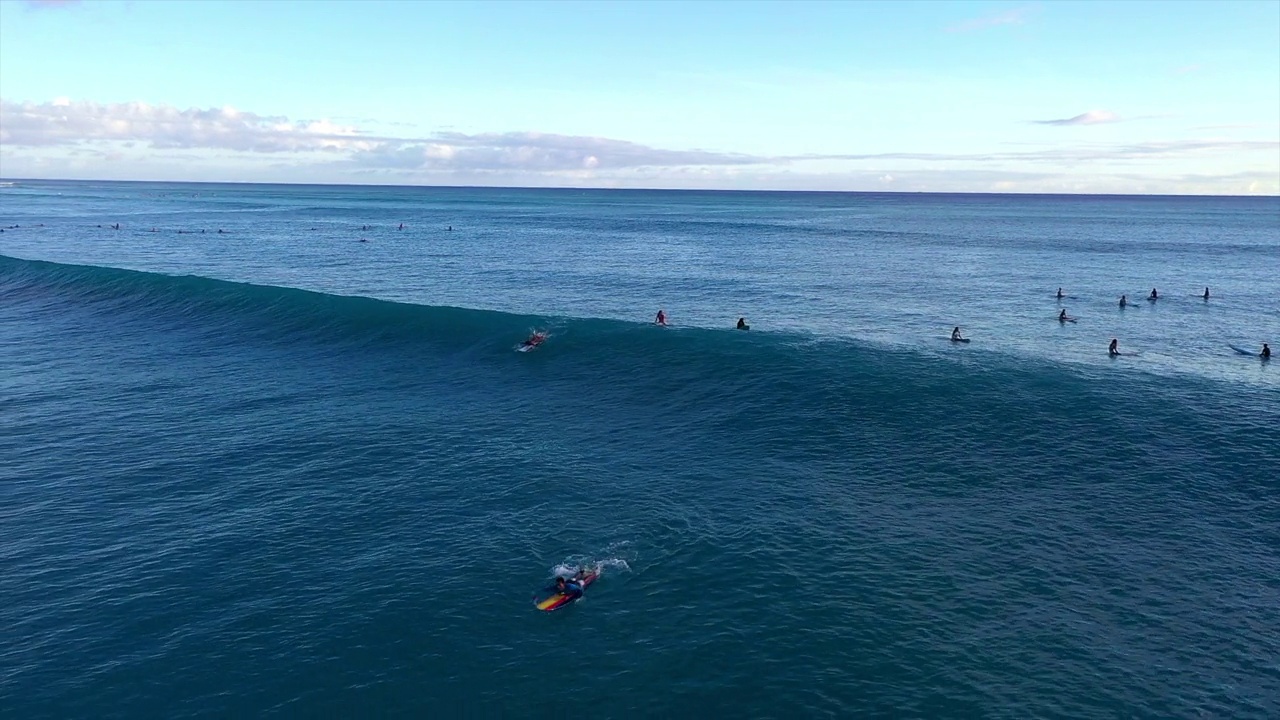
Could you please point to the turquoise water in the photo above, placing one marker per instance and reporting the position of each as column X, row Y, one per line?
column 231, row 488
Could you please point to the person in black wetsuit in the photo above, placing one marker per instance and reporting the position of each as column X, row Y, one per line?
column 1266, row 352
column 1112, row 350
column 742, row 324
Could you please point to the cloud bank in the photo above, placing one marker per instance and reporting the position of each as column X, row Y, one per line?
column 63, row 122
column 66, row 123
column 68, row 139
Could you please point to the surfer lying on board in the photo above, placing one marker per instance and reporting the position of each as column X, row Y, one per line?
column 568, row 587
column 534, row 340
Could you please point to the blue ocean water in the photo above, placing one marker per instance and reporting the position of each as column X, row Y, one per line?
column 277, row 471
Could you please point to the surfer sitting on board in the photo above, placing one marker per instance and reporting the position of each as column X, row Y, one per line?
column 1266, row 352
column 742, row 324
column 1112, row 350
column 1154, row 295
column 1123, row 301
column 1062, row 317
column 1060, row 295
column 955, row 334
column 662, row 317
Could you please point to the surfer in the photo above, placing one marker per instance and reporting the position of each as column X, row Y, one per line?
column 1060, row 295
column 661, row 319
column 566, row 587
column 1062, row 317
column 534, row 340
column 742, row 324
column 1123, row 301
column 955, row 335
column 1266, row 352
column 1206, row 293
column 1154, row 295
column 1112, row 350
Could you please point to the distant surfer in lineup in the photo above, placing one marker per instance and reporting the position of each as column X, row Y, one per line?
column 1123, row 301
column 1206, row 293
column 1112, row 350
column 742, row 324
column 1064, row 318
column 1266, row 352
column 955, row 335
column 661, row 319
column 1060, row 295
column 1154, row 295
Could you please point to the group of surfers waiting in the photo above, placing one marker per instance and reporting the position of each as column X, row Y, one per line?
column 1114, row 348
column 538, row 337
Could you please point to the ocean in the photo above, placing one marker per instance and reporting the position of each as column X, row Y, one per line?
column 266, row 453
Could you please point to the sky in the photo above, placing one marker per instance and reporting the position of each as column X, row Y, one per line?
column 1040, row 97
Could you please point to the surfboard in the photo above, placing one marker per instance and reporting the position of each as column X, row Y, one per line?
column 1242, row 351
column 551, row 599
column 961, row 340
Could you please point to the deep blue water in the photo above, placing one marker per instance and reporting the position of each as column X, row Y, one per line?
column 231, row 488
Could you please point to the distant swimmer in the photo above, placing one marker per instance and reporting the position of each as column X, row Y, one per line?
column 1123, row 301
column 401, row 226
column 1064, row 318
column 450, row 228
column 955, row 335
column 1266, row 351
column 661, row 319
column 364, row 240
column 1112, row 350
column 1206, row 293
column 1154, row 295
column 742, row 324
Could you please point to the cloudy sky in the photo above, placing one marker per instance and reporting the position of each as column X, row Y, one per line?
column 1102, row 97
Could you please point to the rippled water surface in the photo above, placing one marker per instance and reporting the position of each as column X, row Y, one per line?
column 229, row 488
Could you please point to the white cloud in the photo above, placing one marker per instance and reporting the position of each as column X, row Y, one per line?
column 67, row 122
column 1016, row 16
column 1093, row 117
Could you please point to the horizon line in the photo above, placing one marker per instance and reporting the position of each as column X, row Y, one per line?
column 639, row 189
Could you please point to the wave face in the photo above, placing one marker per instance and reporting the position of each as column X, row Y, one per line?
column 212, row 490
